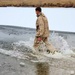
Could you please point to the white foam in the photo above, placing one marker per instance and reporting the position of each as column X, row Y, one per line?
column 25, row 43
column 56, row 55
column 60, row 44
column 22, row 64
column 23, row 46
column 12, row 53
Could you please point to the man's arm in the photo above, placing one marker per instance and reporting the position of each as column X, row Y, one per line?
column 41, row 27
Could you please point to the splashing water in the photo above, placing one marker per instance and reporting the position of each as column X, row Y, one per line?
column 57, row 41
column 22, row 47
column 60, row 44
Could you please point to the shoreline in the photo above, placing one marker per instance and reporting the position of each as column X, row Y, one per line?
column 35, row 3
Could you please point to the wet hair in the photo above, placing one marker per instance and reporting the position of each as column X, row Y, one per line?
column 38, row 9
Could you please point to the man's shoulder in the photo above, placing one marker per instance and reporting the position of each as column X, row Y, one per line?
column 40, row 17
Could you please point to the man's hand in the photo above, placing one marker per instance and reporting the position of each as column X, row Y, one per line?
column 39, row 38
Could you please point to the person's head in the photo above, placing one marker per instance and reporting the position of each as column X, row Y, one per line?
column 38, row 10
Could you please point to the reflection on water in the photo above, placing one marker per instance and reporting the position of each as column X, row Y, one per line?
column 42, row 68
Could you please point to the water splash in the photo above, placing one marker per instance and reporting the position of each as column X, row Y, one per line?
column 60, row 44
column 57, row 41
column 12, row 53
column 22, row 47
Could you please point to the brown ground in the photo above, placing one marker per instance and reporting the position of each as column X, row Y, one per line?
column 43, row 3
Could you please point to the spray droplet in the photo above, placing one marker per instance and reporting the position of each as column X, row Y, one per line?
column 22, row 64
column 72, row 72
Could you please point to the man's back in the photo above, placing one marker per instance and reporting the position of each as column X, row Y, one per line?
column 42, row 23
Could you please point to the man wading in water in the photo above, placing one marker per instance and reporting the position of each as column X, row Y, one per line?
column 42, row 31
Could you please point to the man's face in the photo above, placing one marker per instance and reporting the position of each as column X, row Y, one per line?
column 37, row 12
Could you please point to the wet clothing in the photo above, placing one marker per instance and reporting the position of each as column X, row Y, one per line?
column 42, row 30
